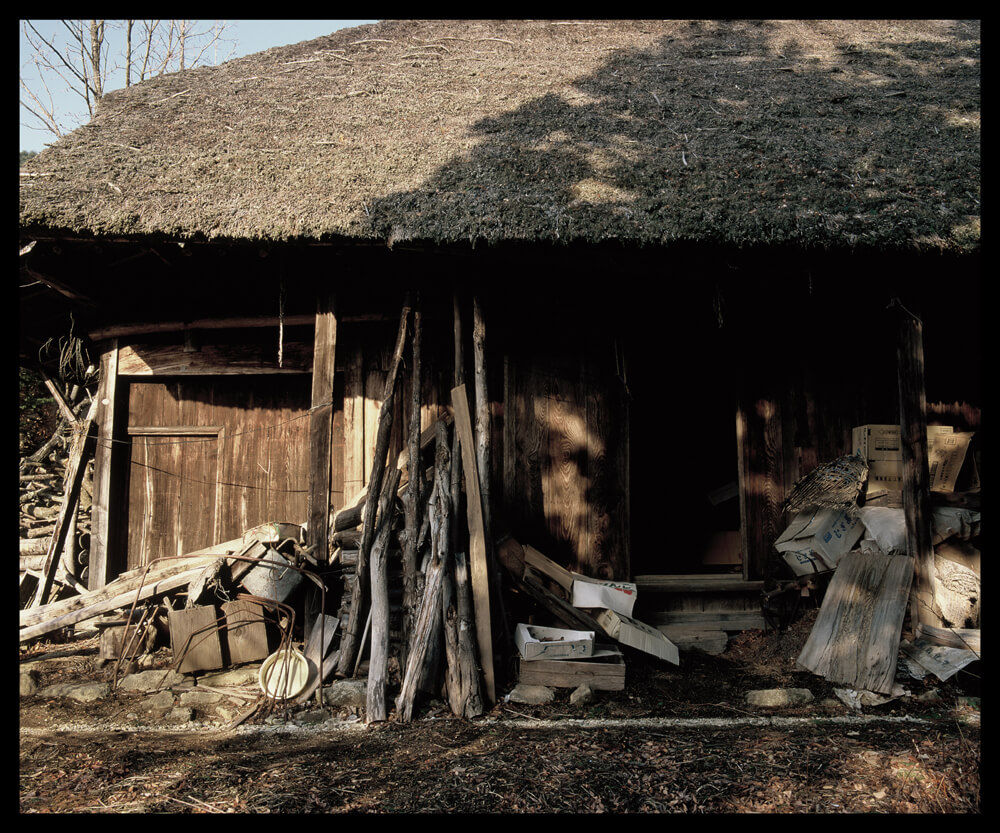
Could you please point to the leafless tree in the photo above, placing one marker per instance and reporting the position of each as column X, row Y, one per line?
column 77, row 55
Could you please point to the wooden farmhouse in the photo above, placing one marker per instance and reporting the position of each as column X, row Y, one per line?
column 679, row 262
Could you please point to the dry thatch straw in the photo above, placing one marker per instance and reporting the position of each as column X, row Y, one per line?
column 811, row 133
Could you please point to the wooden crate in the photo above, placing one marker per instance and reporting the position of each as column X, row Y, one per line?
column 606, row 672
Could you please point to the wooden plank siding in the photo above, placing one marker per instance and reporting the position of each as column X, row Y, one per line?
column 564, row 463
column 189, row 492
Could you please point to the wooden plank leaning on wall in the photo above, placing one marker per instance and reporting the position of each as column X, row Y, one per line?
column 105, row 454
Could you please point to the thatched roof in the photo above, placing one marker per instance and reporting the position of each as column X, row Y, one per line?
column 812, row 133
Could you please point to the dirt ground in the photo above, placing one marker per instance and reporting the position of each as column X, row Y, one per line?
column 677, row 739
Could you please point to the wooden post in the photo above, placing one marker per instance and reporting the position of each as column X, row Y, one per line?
column 321, row 427
column 412, row 499
column 359, row 592
column 913, row 444
column 102, row 525
column 477, row 540
column 379, row 656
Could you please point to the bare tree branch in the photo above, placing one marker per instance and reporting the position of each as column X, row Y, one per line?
column 82, row 60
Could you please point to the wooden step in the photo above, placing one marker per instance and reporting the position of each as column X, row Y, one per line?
column 688, row 638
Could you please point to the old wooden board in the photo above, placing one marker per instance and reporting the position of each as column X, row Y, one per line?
column 246, row 631
column 194, row 638
column 65, row 612
column 603, row 672
column 321, row 426
column 477, row 540
column 855, row 640
column 317, row 651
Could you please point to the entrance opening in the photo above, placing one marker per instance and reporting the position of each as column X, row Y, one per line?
column 685, row 516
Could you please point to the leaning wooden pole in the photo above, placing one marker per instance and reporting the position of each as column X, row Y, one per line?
column 479, row 566
column 484, row 463
column 378, row 663
column 456, row 454
column 412, row 498
column 428, row 617
column 916, row 477
column 359, row 592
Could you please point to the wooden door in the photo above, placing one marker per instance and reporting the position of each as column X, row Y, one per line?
column 172, row 491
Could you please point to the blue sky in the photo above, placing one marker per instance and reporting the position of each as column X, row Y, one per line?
column 243, row 37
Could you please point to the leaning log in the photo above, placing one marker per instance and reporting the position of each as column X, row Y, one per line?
column 359, row 592
column 913, row 447
column 378, row 661
column 479, row 565
column 411, row 500
column 439, row 510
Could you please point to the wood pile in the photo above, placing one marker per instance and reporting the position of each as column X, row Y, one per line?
column 408, row 594
column 56, row 486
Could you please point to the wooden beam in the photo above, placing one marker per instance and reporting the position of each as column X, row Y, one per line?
column 700, row 583
column 105, row 455
column 477, row 541
column 916, row 478
column 235, row 323
column 110, row 597
column 212, row 360
column 321, row 427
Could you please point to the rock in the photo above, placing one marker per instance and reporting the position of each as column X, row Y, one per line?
column 312, row 716
column 159, row 703
column 81, row 692
column 776, row 697
column 29, row 682
column 156, row 680
column 346, row 693
column 532, row 695
column 180, row 714
column 582, row 695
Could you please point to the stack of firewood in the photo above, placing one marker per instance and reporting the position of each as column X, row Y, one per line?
column 407, row 516
column 56, row 488
column 42, row 493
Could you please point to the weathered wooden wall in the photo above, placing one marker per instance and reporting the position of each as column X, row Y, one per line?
column 565, row 458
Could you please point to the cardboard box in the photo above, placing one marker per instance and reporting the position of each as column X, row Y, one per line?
column 880, row 446
column 536, row 642
column 816, row 540
column 614, row 595
column 949, row 461
column 639, row 635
